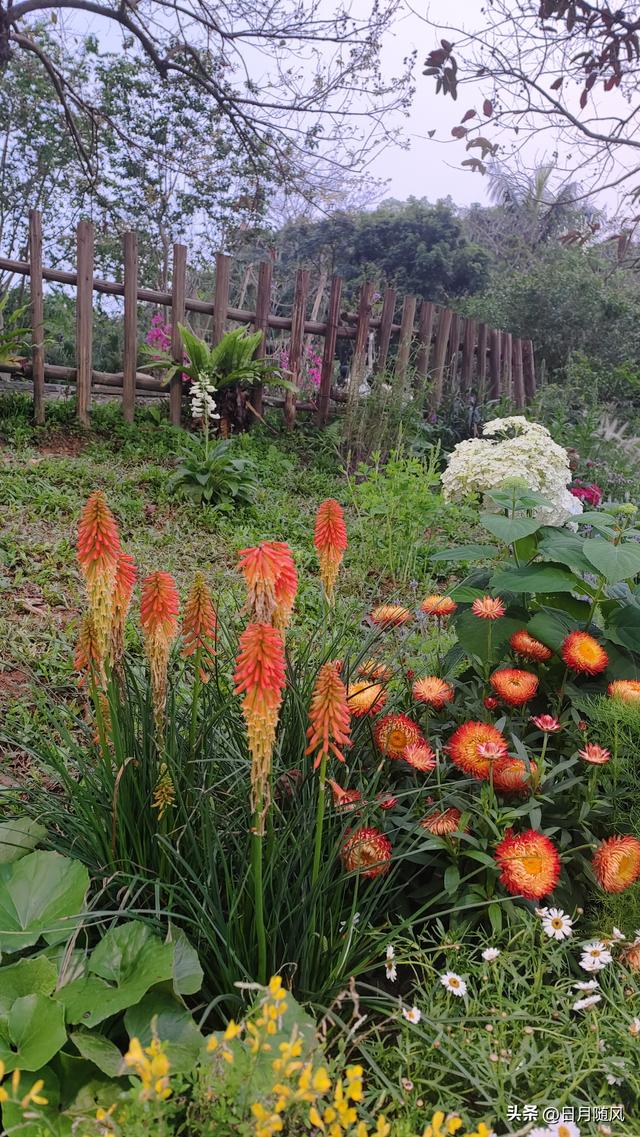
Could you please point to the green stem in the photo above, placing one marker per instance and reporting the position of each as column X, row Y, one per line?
column 197, row 686
column 258, row 891
column 315, row 872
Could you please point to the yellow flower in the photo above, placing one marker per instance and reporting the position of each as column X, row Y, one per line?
column 266, row 1123
column 482, row 1131
column 34, row 1096
column 232, row 1031
column 315, row 1119
column 321, row 1081
column 382, row 1128
column 151, row 1066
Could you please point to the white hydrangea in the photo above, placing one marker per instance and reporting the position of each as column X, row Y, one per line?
column 513, row 448
column 203, row 404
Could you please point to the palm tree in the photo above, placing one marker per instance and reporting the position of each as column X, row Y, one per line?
column 538, row 211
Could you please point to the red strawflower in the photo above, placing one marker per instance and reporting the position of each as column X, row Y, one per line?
column 628, row 690
column 546, row 723
column 439, row 606
column 390, row 615
column 512, row 775
column 491, row 702
column 529, row 648
column 386, row 801
column 420, row 756
column 344, row 800
column 488, row 608
column 594, row 754
column 464, row 747
column 582, row 653
column 394, row 732
column 442, row 822
column 434, row 691
column 616, row 863
column 529, row 864
column 368, row 851
column 514, row 686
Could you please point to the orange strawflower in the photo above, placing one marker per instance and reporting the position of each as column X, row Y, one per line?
column 582, row 653
column 464, row 748
column 514, row 686
column 390, row 615
column 87, row 659
column 488, row 608
column 420, row 756
column 199, row 624
column 345, row 800
column 368, row 851
column 512, row 775
column 394, row 732
column 125, row 580
column 159, row 605
column 330, row 540
column 616, row 863
column 442, row 821
column 529, row 864
column 529, row 648
column 436, row 692
column 365, row 698
column 594, row 754
column 628, row 690
column 97, row 550
column 439, row 606
column 328, row 716
column 631, row 957
column 260, row 678
column 373, row 669
column 271, row 580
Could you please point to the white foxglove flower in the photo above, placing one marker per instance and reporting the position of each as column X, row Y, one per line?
column 455, row 984
column 557, row 924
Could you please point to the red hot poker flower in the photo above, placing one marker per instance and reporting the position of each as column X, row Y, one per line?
column 125, row 580
column 330, row 540
column 328, row 716
column 260, row 678
column 98, row 548
column 272, row 581
column 199, row 624
column 159, row 605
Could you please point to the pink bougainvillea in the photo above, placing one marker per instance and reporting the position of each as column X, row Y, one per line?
column 159, row 336
column 311, row 370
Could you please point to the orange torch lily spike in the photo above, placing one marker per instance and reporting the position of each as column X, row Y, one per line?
column 260, row 678
column 329, row 716
column 97, row 550
column 159, row 605
column 272, row 582
column 125, row 580
column 330, row 540
column 199, row 625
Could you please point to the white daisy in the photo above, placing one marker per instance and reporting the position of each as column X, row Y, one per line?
column 616, row 934
column 595, row 956
column 454, row 983
column 563, row 1129
column 391, row 970
column 634, row 1028
column 586, row 985
column 557, row 924
column 390, row 951
column 590, row 1001
column 490, row 954
column 538, row 1132
column 412, row 1015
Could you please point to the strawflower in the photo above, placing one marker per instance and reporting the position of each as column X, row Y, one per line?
column 365, row 697
column 159, row 620
column 529, row 864
column 420, row 756
column 488, row 608
column 260, row 678
column 594, row 754
column 583, row 654
column 433, row 691
column 439, row 606
column 390, row 615
column 627, row 690
column 330, row 540
column 442, row 822
column 346, row 800
column 368, row 851
column 328, row 732
column 528, row 647
column 394, row 733
column 199, row 624
column 511, row 775
column 546, row 723
column 515, row 687
column 616, row 863
column 464, row 747
column 374, row 669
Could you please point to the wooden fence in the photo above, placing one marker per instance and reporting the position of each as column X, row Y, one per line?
column 446, row 350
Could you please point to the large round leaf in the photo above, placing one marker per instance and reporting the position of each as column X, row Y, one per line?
column 485, row 638
column 32, row 1033
column 39, row 895
column 614, row 562
column 537, row 578
column 159, row 1015
column 623, row 627
column 19, row 837
column 35, row 976
column 509, row 529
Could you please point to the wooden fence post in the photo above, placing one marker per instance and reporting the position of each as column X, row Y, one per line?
column 386, row 321
column 404, row 343
column 220, row 297
column 331, row 333
column 360, row 346
column 507, row 365
column 178, row 296
column 84, row 319
column 494, row 363
column 442, row 340
column 468, row 354
column 37, row 314
column 529, row 364
column 261, row 324
column 425, row 332
column 454, row 348
column 518, row 375
column 130, row 347
column 297, row 342
column 482, row 361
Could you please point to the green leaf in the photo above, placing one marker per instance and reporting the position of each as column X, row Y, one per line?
column 98, row 1050
column 551, row 627
column 495, row 917
column 451, row 879
column 623, row 627
column 126, row 963
column 187, row 972
column 622, row 664
column 160, row 1015
column 32, row 1033
column 465, row 553
column 19, row 837
column 35, row 976
column 536, row 578
column 566, row 547
column 614, row 562
column 38, row 896
column 580, row 610
column 509, row 529
column 485, row 638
